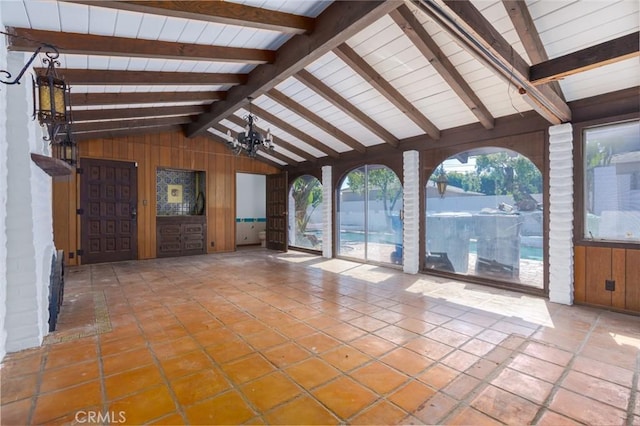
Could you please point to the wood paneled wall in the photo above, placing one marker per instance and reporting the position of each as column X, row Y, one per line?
column 150, row 152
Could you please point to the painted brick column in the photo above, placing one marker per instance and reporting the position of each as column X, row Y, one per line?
column 561, row 214
column 411, row 208
column 327, row 211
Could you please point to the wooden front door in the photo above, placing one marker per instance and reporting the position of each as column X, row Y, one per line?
column 108, row 202
column 277, row 226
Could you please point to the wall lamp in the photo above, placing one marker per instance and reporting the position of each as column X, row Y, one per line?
column 52, row 93
column 442, row 181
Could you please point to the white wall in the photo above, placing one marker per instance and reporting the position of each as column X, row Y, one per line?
column 26, row 229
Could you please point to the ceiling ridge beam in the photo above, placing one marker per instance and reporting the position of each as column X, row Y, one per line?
column 386, row 89
column 345, row 106
column 523, row 23
column 609, row 52
column 468, row 27
column 415, row 31
column 120, row 113
column 113, row 134
column 294, row 131
column 274, row 153
column 277, row 140
column 215, row 11
column 128, row 78
column 95, row 45
column 339, row 22
column 113, row 98
column 128, row 124
column 316, row 120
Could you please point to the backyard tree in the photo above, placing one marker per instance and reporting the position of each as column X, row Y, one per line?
column 307, row 195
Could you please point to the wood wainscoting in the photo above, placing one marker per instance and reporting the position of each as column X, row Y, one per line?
column 595, row 265
column 169, row 150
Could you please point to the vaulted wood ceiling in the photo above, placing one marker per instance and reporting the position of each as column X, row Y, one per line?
column 328, row 78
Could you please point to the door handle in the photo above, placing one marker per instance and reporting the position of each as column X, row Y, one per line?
column 134, row 213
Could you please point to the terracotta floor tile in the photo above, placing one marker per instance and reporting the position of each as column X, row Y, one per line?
column 585, row 410
column 65, row 355
column 227, row 352
column 382, row 413
column 286, row 354
column 15, row 388
column 429, row 348
column 406, row 361
column 344, row 397
column 322, row 322
column 448, row 337
column 469, row 416
column 368, row 323
column 504, row 406
column 463, row 327
column 265, row 339
column 318, row 342
column 131, row 381
column 459, row 360
column 492, row 336
column 478, row 347
column 605, row 371
column 479, row 319
column 312, row 372
column 387, row 316
column 564, row 339
column 143, row 407
column 395, row 334
column 438, row 376
column 226, row 409
column 171, row 419
column 52, row 405
column 373, row 346
column 344, row 332
column 379, row 377
column 436, row 409
column 112, row 347
column 303, row 410
column 126, row 361
column 16, row 413
column 613, row 356
column 247, row 327
column 217, row 336
column 249, row 368
column 15, row 365
column 415, row 325
column 548, row 353
column 296, row 330
column 185, row 364
column 199, row 386
column 72, row 375
column 269, row 391
column 412, row 396
column 345, row 358
column 523, row 385
column 169, row 349
column 549, row 418
column 603, row 391
column 461, row 386
column 536, row 367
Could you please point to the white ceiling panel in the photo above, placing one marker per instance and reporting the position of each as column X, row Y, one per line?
column 597, row 82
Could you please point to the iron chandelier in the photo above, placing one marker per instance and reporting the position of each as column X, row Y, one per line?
column 250, row 141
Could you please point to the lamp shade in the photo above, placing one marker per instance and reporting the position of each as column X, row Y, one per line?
column 441, row 183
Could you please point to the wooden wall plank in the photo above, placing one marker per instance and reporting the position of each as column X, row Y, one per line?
column 598, row 270
column 618, row 274
column 579, row 278
column 632, row 301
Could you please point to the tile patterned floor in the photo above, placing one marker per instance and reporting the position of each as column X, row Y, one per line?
column 256, row 337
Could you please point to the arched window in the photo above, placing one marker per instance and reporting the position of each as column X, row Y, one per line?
column 489, row 220
column 305, row 219
column 369, row 220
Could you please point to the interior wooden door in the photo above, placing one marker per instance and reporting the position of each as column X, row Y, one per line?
column 108, row 201
column 277, row 224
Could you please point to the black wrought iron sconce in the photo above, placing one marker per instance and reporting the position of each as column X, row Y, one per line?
column 52, row 96
column 442, row 181
column 65, row 149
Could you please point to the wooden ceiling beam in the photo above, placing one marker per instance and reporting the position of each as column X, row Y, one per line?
column 275, row 154
column 371, row 76
column 338, row 101
column 128, row 124
column 415, row 31
column 90, row 44
column 85, row 99
column 338, row 23
column 221, row 12
column 316, row 120
column 114, row 134
column 609, row 52
column 294, row 131
column 120, row 113
column 143, row 78
column 276, row 140
column 528, row 34
column 471, row 30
